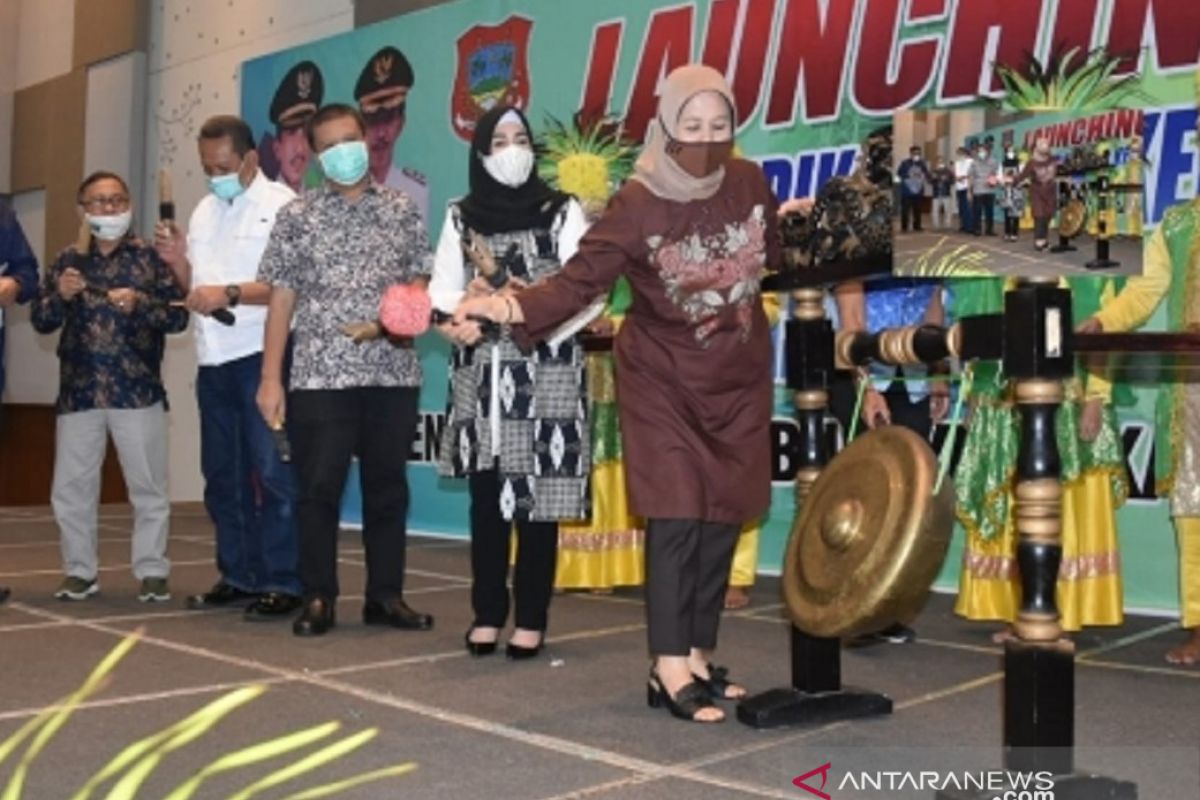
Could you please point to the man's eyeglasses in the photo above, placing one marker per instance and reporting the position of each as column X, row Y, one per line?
column 118, row 202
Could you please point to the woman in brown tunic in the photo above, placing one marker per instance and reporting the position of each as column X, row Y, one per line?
column 692, row 232
column 1040, row 172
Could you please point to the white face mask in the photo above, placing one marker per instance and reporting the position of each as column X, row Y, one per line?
column 511, row 166
column 111, row 227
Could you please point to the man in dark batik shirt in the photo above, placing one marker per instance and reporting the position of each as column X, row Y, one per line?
column 114, row 305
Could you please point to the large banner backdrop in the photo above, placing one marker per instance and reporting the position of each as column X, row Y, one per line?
column 811, row 77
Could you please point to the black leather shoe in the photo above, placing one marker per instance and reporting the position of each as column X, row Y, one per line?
column 4, row 592
column 397, row 614
column 316, row 618
column 271, row 606
column 220, row 596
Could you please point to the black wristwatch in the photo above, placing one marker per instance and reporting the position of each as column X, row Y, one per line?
column 234, row 293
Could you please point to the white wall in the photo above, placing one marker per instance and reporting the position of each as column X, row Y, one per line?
column 45, row 37
column 196, row 50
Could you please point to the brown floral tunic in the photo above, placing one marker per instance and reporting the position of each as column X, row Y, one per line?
column 694, row 354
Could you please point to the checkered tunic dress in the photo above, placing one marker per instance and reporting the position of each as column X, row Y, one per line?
column 544, row 452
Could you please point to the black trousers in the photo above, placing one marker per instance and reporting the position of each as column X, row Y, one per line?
column 985, row 211
column 687, row 572
column 1012, row 224
column 914, row 416
column 3, row 589
column 1041, row 228
column 326, row 428
column 533, row 577
column 910, row 205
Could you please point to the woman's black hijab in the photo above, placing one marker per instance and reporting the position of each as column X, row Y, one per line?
column 491, row 207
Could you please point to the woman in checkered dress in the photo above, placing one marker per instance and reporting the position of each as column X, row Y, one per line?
column 517, row 427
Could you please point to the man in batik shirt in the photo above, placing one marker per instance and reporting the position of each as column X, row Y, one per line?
column 113, row 299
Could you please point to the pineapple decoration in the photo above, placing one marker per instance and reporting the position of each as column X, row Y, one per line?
column 587, row 160
column 1069, row 80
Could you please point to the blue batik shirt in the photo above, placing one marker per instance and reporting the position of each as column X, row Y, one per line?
column 108, row 358
column 17, row 261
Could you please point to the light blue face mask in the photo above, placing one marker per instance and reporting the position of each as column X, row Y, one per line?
column 226, row 187
column 345, row 163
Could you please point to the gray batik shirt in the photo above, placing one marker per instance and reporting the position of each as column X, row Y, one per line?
column 981, row 170
column 339, row 257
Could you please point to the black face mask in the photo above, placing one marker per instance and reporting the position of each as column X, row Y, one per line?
column 699, row 159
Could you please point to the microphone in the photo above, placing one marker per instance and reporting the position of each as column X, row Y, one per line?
column 166, row 213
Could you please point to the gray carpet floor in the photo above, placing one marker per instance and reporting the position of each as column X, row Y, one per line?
column 571, row 723
column 1012, row 259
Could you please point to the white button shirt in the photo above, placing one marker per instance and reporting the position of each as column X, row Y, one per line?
column 962, row 170
column 225, row 242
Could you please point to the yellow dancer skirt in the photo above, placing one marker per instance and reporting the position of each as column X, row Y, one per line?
column 1187, row 531
column 1089, row 580
column 608, row 550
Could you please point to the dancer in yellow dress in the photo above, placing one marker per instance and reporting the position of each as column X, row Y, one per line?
column 1172, row 271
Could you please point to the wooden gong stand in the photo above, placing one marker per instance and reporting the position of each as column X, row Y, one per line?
column 1035, row 341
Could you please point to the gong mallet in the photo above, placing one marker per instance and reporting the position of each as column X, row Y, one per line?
column 406, row 311
column 166, row 213
column 282, row 445
column 496, row 273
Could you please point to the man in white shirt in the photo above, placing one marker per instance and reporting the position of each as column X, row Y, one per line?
column 962, row 190
column 249, row 488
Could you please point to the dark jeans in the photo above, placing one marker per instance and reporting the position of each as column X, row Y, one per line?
column 910, row 205
column 533, row 577
column 687, row 572
column 326, row 429
column 4, row 591
column 985, row 211
column 966, row 221
column 256, row 542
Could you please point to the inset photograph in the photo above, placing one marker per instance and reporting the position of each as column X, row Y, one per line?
column 992, row 193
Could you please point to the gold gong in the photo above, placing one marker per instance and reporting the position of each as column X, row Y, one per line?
column 1072, row 218
column 870, row 538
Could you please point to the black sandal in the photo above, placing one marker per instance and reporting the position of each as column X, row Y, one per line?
column 717, row 684
column 689, row 701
